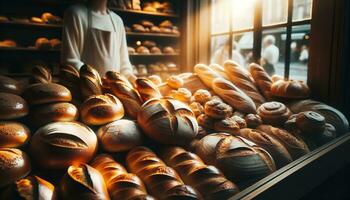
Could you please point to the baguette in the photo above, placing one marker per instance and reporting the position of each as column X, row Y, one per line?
column 206, row 74
column 262, row 79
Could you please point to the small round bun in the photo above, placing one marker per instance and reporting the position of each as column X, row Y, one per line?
column 13, row 134
column 217, row 109
column 196, row 108
column 227, row 125
column 274, row 113
column 253, row 120
column 182, row 94
column 175, row 82
column 12, row 106
column 202, row 96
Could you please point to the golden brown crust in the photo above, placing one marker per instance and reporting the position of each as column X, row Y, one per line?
column 310, row 122
column 243, row 80
column 156, row 80
column 253, row 120
column 202, row 96
column 217, row 109
column 196, row 108
column 206, row 122
column 182, row 94
column 42, row 93
column 147, row 89
column 233, row 96
column 9, row 85
column 227, row 125
column 13, row 134
column 240, row 121
column 69, row 77
column 206, row 74
column 262, row 79
column 175, row 82
column 40, row 74
column 290, row 89
column 90, row 81
column 168, row 121
column 42, row 44
column 274, row 113
column 101, row 109
column 12, row 106
column 219, row 69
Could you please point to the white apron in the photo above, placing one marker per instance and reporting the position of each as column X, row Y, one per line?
column 95, row 38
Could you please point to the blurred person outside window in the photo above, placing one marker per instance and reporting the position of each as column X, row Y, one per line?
column 269, row 54
column 304, row 54
column 221, row 54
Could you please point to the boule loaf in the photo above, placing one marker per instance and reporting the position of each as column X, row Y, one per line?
column 206, row 74
column 112, row 76
column 9, row 85
column 233, row 96
column 90, row 81
column 69, row 77
column 13, row 134
column 12, row 106
column 262, row 79
column 42, row 93
column 147, row 89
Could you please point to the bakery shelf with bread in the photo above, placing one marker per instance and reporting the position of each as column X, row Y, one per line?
column 151, row 35
column 146, row 13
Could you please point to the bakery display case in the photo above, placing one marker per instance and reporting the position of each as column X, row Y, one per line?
column 208, row 114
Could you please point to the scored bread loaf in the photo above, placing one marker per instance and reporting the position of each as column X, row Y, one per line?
column 162, row 182
column 120, row 183
column 295, row 146
column 90, row 82
column 206, row 74
column 69, row 77
column 112, row 76
column 42, row 93
column 40, row 74
column 207, row 180
column 262, row 79
column 220, row 70
column 128, row 96
column 147, row 89
column 278, row 152
column 9, row 85
column 290, row 89
column 233, row 96
column 243, row 80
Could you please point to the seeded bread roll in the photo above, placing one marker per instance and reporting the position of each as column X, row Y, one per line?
column 9, row 85
column 295, row 146
column 60, row 144
column 278, row 152
column 40, row 74
column 162, row 181
column 83, row 182
column 168, row 121
column 14, row 165
column 274, row 113
column 262, row 79
column 290, row 89
column 101, row 109
column 147, row 89
column 120, row 183
column 13, row 134
column 233, row 96
column 90, row 82
column 12, row 106
column 207, row 180
column 42, row 93
column 243, row 80
column 206, row 74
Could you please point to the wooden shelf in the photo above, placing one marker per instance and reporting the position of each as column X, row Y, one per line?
column 153, row 55
column 152, row 35
column 27, row 49
column 140, row 12
column 30, row 24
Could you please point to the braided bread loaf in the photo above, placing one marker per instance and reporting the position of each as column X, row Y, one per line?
column 90, row 81
column 233, row 96
column 147, row 89
column 162, row 181
column 40, row 74
column 120, row 183
column 262, row 79
column 206, row 74
column 243, row 80
column 207, row 180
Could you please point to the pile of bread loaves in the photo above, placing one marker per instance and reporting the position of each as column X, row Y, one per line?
column 150, row 47
column 202, row 135
column 146, row 26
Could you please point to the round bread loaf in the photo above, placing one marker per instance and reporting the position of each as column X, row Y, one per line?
column 175, row 82
column 147, row 89
column 202, row 96
column 83, row 182
column 43, row 44
column 42, row 93
column 274, row 113
column 13, row 134
column 168, row 121
column 101, row 109
column 290, row 89
column 31, row 187
column 53, row 112
column 60, row 144
column 69, row 77
column 310, row 122
column 278, row 152
column 168, row 50
column 182, row 94
column 9, row 85
column 217, row 109
column 120, row 135
column 253, row 120
column 40, row 74
column 243, row 161
column 14, row 165
column 12, row 106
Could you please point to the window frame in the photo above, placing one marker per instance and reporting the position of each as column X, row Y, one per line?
column 258, row 29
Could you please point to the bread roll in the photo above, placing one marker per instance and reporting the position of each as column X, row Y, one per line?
column 243, row 161
column 90, row 81
column 9, row 85
column 31, row 187
column 310, row 122
column 205, row 148
column 233, row 96
column 202, row 96
column 262, row 79
column 290, row 89
column 14, row 165
column 206, row 122
column 175, row 82
column 196, row 108
column 278, row 152
column 253, row 120
column 42, row 93
column 69, row 77
column 240, row 121
column 56, row 43
column 168, row 121
column 13, row 134
column 53, row 112
column 166, row 24
column 217, row 109
column 12, row 106
column 60, row 144
column 101, row 109
column 43, row 44
column 274, row 113
column 120, row 183
column 128, row 96
column 83, row 182
column 162, row 181
column 155, row 50
column 295, row 146
column 120, row 135
column 243, row 80
column 332, row 115
column 206, row 74
column 147, row 89
column 227, row 125
column 142, row 50
column 182, row 94
column 207, row 180
column 219, row 69
column 168, row 50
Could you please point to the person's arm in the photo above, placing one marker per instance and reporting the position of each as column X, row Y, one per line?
column 72, row 40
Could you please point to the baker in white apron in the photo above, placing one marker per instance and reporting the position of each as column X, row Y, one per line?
column 95, row 38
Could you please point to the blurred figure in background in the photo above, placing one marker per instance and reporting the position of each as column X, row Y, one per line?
column 269, row 54
column 236, row 54
column 221, row 54
column 304, row 54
